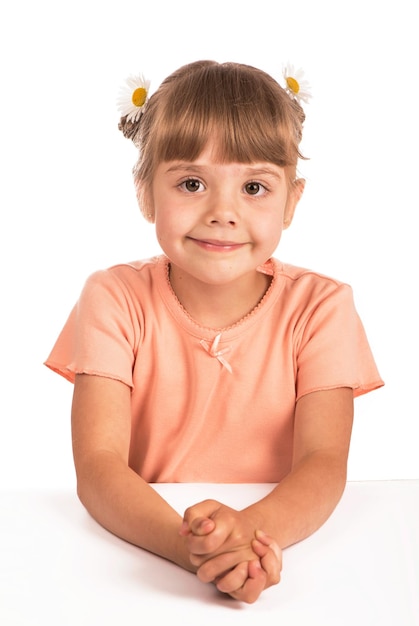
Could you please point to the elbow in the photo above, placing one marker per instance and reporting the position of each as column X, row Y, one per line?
column 82, row 490
column 85, row 484
column 336, row 485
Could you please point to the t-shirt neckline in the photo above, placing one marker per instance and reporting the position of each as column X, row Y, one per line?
column 271, row 268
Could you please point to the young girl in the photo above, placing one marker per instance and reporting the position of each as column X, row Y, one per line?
column 214, row 362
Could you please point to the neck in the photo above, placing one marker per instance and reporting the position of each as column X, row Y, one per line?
column 219, row 306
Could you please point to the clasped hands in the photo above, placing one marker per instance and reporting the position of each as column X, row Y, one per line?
column 227, row 548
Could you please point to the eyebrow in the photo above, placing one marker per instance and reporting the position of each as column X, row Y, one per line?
column 258, row 171
column 184, row 167
column 249, row 171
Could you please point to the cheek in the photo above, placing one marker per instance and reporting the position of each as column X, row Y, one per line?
column 270, row 237
column 161, row 232
column 172, row 220
column 271, row 230
column 167, row 227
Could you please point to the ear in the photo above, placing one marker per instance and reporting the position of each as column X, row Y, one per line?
column 145, row 202
column 150, row 217
column 294, row 197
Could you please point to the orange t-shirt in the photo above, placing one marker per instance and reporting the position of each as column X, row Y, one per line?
column 211, row 406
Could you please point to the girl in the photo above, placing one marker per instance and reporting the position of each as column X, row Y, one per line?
column 214, row 362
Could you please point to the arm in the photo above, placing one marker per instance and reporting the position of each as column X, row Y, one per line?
column 115, row 495
column 119, row 499
column 303, row 500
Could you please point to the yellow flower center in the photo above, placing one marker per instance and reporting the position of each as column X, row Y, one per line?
column 139, row 96
column 293, row 84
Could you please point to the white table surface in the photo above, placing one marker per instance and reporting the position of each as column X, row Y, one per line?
column 59, row 567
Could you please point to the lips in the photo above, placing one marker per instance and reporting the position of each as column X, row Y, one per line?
column 218, row 242
column 220, row 245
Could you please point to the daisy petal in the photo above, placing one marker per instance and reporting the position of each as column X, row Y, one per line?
column 133, row 97
column 296, row 84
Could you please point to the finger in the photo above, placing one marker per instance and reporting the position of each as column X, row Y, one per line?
column 217, row 566
column 260, row 548
column 269, row 560
column 204, row 509
column 253, row 586
column 234, row 579
column 206, row 545
column 199, row 526
column 267, row 540
column 272, row 567
column 209, row 537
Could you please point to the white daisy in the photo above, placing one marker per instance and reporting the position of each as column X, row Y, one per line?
column 133, row 96
column 295, row 84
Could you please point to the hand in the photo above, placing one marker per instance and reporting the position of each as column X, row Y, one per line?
column 260, row 574
column 227, row 550
column 214, row 530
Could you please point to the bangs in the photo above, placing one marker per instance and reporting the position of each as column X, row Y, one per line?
column 242, row 110
column 239, row 135
column 245, row 118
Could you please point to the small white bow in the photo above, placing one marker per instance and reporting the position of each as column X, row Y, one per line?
column 212, row 349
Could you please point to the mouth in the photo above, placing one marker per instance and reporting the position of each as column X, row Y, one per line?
column 217, row 245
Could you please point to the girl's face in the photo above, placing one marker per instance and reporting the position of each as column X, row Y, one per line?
column 217, row 222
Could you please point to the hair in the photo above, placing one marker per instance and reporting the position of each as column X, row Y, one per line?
column 251, row 116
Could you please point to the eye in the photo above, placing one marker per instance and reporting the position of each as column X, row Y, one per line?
column 254, row 189
column 192, row 185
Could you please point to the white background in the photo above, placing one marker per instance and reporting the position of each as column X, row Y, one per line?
column 68, row 206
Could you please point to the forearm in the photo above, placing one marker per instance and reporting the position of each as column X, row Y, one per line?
column 303, row 500
column 123, row 503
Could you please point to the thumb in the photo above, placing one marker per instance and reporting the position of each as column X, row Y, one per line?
column 200, row 526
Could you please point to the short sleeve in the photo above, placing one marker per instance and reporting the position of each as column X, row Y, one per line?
column 99, row 337
column 334, row 350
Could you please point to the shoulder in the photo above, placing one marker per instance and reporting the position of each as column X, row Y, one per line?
column 304, row 295
column 307, row 283
column 129, row 286
column 303, row 276
column 125, row 271
column 134, row 275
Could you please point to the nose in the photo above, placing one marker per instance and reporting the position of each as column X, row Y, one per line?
column 222, row 209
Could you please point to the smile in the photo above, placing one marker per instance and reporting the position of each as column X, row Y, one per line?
column 216, row 245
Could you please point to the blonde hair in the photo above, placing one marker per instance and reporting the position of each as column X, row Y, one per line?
column 251, row 116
